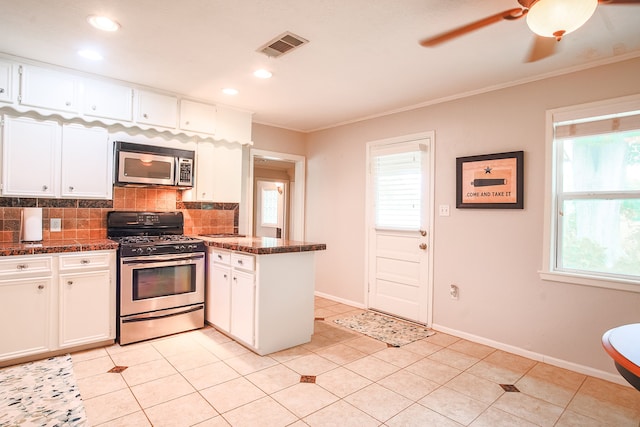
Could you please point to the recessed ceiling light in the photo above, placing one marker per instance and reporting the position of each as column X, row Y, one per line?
column 262, row 74
column 230, row 91
column 103, row 23
column 90, row 54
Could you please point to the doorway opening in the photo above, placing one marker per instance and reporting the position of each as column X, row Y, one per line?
column 276, row 196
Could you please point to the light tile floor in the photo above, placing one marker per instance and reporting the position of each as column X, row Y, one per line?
column 203, row 378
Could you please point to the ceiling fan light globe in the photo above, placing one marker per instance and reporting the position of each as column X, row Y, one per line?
column 548, row 18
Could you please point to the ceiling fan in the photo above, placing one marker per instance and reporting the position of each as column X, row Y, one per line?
column 550, row 20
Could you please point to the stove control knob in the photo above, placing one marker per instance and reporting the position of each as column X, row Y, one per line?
column 182, row 247
column 138, row 250
column 151, row 249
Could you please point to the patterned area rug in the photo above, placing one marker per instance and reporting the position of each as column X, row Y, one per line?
column 42, row 393
column 394, row 332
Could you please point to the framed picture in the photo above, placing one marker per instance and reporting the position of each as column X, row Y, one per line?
column 490, row 181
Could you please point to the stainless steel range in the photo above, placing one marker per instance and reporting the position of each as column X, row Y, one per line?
column 161, row 275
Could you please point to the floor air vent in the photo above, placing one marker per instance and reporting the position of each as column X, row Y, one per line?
column 282, row 44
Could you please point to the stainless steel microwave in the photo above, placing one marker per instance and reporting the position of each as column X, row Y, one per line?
column 140, row 165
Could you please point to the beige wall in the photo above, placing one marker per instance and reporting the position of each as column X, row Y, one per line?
column 492, row 255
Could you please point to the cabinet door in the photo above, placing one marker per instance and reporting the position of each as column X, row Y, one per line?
column 243, row 306
column 227, row 168
column 112, row 101
column 85, row 308
column 50, row 89
column 25, row 310
column 86, row 162
column 6, row 81
column 233, row 125
column 197, row 117
column 218, row 304
column 31, row 157
column 205, row 172
column 157, row 109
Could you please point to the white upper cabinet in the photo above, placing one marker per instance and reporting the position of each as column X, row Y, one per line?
column 27, row 88
column 197, row 117
column 233, row 125
column 218, row 173
column 86, row 162
column 30, row 158
column 227, row 169
column 42, row 87
column 108, row 100
column 6, row 81
column 41, row 158
column 157, row 109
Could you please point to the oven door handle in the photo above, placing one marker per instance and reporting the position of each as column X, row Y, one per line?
column 144, row 318
column 155, row 259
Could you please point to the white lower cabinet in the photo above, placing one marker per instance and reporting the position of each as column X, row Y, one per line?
column 242, row 306
column 84, row 316
column 25, row 310
column 51, row 302
column 263, row 301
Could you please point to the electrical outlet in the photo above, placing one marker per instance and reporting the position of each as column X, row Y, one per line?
column 56, row 225
column 443, row 210
column 454, row 291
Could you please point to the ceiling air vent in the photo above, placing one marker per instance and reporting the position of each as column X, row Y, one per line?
column 282, row 44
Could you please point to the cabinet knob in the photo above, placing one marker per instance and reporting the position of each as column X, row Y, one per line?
column 235, row 278
column 187, row 123
column 68, row 103
column 423, row 246
column 71, row 188
column 40, row 286
column 225, row 276
column 85, row 261
column 93, row 107
column 45, row 187
column 145, row 115
column 1, row 90
column 69, row 282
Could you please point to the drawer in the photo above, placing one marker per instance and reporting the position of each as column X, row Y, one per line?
column 23, row 266
column 83, row 260
column 243, row 261
column 221, row 257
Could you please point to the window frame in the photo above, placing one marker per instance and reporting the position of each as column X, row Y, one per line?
column 551, row 200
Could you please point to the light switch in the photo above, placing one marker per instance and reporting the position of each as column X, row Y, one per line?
column 56, row 225
column 443, row 210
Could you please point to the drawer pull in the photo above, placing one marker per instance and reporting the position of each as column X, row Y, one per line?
column 219, row 256
column 40, row 286
column 69, row 282
column 22, row 266
column 85, row 261
column 240, row 262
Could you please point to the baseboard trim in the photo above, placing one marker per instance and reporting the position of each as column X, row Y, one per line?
column 340, row 300
column 586, row 370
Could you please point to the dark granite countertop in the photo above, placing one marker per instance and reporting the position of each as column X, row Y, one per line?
column 261, row 245
column 56, row 246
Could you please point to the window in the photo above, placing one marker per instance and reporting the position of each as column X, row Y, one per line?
column 594, row 215
column 269, row 207
column 398, row 183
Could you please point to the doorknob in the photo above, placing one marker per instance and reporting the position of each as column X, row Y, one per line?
column 423, row 246
column 423, row 233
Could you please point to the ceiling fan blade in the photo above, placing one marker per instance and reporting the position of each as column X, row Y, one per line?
column 510, row 14
column 541, row 48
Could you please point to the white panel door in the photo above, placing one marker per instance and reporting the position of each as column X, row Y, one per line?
column 398, row 218
column 270, row 215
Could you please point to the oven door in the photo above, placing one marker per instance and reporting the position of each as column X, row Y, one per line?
column 157, row 282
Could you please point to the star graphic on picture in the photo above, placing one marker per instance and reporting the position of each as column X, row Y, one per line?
column 487, row 170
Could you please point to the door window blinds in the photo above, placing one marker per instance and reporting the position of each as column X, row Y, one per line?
column 398, row 185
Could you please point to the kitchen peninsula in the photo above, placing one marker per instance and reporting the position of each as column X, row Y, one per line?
column 260, row 290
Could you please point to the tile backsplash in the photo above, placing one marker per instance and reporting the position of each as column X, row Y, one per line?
column 87, row 219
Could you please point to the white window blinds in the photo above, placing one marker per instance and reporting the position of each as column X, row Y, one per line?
column 398, row 186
